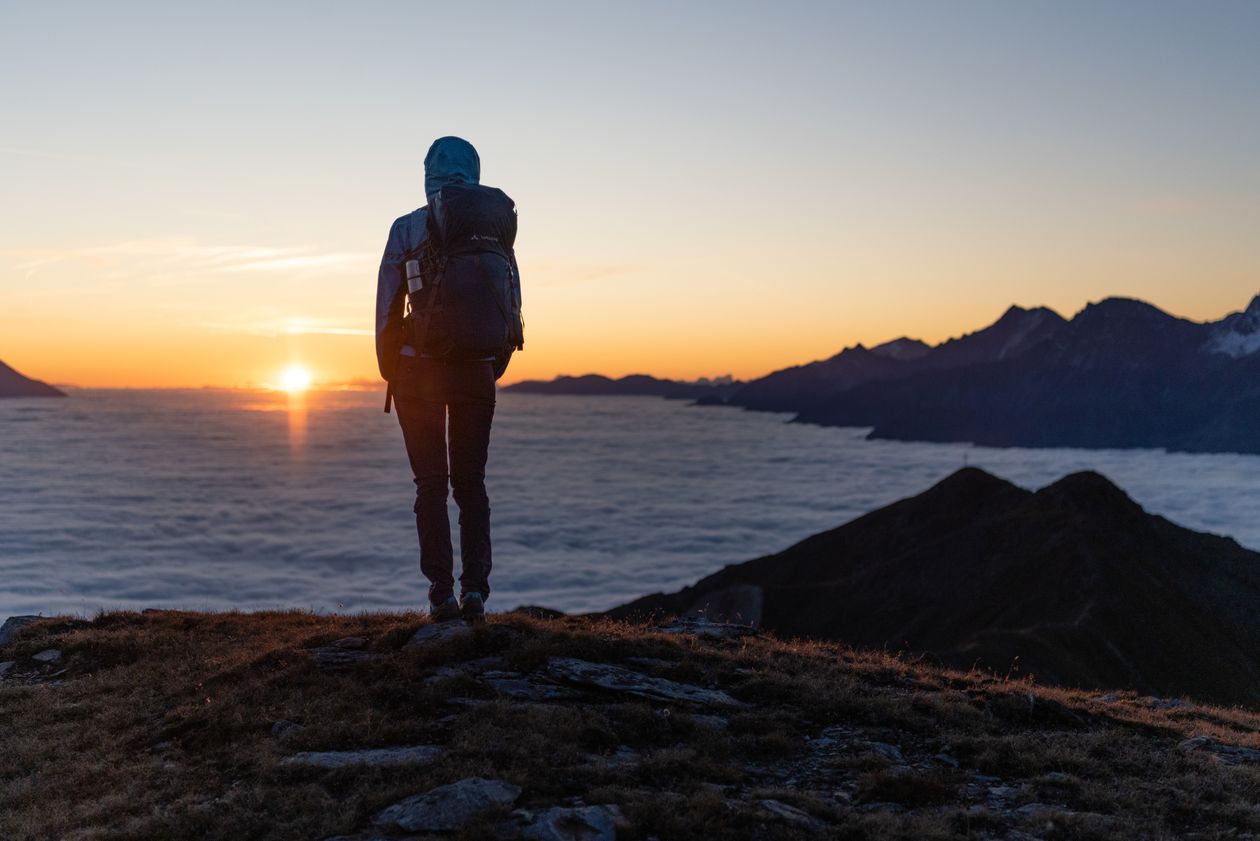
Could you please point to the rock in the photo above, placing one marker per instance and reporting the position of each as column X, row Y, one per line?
column 705, row 629
column 527, row 690
column 404, row 755
column 48, row 655
column 1003, row 792
column 650, row 662
column 890, row 752
column 710, row 722
column 350, row 643
column 9, row 630
column 6, row 667
column 330, row 657
column 285, row 729
column 945, row 759
column 1042, row 810
column 791, row 814
column 1229, row 754
column 439, row 632
column 622, row 757
column 448, row 807
column 469, row 667
column 618, row 679
column 890, row 808
column 1164, row 703
column 585, row 823
column 1059, row 778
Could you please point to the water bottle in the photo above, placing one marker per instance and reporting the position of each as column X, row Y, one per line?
column 414, row 282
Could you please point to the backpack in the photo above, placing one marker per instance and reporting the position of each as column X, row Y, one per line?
column 460, row 283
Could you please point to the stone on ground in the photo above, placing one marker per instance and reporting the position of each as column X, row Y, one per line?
column 9, row 630
column 403, row 755
column 449, row 807
column 584, row 823
column 439, row 632
column 618, row 679
column 48, row 655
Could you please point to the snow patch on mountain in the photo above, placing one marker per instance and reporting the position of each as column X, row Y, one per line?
column 1237, row 335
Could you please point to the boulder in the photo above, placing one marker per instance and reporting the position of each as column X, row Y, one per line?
column 48, row 655
column 447, row 808
column 9, row 630
column 584, row 823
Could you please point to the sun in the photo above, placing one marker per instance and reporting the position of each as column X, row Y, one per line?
column 295, row 378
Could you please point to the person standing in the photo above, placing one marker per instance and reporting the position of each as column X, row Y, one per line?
column 447, row 322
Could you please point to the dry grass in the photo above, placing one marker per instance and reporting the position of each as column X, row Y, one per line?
column 161, row 728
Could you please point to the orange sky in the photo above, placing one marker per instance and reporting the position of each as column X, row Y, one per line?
column 702, row 190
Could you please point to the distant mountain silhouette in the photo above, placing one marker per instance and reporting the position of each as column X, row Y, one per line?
column 1122, row 373
column 640, row 384
column 1074, row 583
column 13, row 384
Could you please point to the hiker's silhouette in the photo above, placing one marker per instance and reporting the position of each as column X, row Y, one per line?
column 447, row 323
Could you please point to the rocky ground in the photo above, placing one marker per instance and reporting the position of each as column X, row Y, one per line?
column 292, row 725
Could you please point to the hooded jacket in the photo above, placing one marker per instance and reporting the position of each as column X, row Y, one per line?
column 451, row 160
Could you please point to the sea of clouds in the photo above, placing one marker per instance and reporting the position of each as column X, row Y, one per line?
column 251, row 500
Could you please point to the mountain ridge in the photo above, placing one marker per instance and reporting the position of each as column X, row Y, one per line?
column 15, row 384
column 1074, row 582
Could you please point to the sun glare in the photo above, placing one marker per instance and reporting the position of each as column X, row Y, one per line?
column 295, row 378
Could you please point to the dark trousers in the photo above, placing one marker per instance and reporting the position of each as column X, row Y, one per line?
column 445, row 414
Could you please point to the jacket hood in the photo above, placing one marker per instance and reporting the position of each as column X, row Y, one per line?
column 451, row 160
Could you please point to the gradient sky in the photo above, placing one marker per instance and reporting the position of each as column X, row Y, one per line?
column 199, row 194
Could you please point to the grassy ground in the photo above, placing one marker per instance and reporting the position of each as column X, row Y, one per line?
column 158, row 725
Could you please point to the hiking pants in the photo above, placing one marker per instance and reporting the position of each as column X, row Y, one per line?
column 445, row 410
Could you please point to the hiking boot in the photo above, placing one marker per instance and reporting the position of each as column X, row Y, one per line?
column 444, row 611
column 473, row 608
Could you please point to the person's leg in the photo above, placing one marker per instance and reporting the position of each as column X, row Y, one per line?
column 424, row 432
column 469, row 445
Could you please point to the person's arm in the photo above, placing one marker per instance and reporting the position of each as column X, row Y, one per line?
column 389, row 304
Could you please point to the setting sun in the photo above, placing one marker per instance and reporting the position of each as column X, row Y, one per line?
column 295, row 378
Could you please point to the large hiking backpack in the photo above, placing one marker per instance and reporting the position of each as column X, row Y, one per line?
column 460, row 285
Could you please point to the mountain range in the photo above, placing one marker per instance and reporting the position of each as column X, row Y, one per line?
column 1120, row 373
column 1074, row 584
column 635, row 384
column 13, row 384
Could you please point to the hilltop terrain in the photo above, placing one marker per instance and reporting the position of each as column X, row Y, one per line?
column 1074, row 583
column 162, row 725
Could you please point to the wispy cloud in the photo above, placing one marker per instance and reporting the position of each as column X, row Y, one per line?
column 190, row 256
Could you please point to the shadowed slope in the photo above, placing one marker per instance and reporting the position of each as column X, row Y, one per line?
column 1074, row 583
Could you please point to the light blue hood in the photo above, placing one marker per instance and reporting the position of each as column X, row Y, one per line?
column 451, row 160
